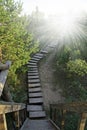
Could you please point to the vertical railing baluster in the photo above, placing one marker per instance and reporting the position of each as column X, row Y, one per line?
column 3, row 123
column 50, row 111
column 82, row 121
column 63, row 119
column 17, row 119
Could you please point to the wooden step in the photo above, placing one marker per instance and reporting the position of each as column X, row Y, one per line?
column 30, row 63
column 36, row 100
column 34, row 108
column 34, row 85
column 39, row 54
column 37, row 114
column 38, row 57
column 32, row 66
column 34, row 90
column 33, row 74
column 33, row 77
column 33, row 71
column 35, row 59
column 37, row 94
column 43, row 51
column 34, row 81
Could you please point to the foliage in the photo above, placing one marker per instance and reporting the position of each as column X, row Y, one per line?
column 16, row 42
column 71, row 65
column 71, row 121
column 78, row 67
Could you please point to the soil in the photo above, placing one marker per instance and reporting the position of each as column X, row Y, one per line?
column 52, row 92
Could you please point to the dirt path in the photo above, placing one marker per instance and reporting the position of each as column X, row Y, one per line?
column 52, row 92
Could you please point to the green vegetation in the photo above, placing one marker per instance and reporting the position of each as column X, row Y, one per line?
column 71, row 64
column 16, row 42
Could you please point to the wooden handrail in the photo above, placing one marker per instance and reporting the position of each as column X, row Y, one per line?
column 3, row 77
column 18, row 110
column 7, row 107
column 77, row 107
column 74, row 106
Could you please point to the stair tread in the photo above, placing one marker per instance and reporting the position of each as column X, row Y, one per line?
column 33, row 74
column 35, row 100
column 33, row 71
column 32, row 66
column 38, row 57
column 30, row 63
column 34, row 80
column 39, row 54
column 34, row 108
column 34, row 89
column 43, row 51
column 35, row 59
column 34, row 85
column 37, row 114
column 33, row 77
column 37, row 94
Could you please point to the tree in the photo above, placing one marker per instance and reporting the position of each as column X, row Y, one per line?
column 16, row 42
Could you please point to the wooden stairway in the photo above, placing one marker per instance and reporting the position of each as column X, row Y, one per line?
column 37, row 117
column 35, row 96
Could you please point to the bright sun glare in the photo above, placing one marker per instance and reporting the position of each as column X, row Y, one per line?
column 63, row 15
column 66, row 15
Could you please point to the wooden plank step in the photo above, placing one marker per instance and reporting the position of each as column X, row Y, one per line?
column 30, row 63
column 39, row 54
column 34, row 108
column 38, row 124
column 33, row 77
column 34, row 80
column 37, row 114
column 38, row 57
column 33, row 90
column 36, row 100
column 33, row 74
column 32, row 71
column 37, row 94
column 32, row 66
column 35, row 59
column 43, row 51
column 34, row 85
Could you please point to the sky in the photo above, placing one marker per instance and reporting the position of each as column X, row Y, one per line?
column 54, row 6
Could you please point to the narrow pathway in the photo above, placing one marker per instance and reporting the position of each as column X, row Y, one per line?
column 52, row 91
column 37, row 117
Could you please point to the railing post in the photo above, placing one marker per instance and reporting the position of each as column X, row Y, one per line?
column 54, row 115
column 50, row 112
column 82, row 121
column 63, row 119
column 17, row 119
column 22, row 116
column 3, row 124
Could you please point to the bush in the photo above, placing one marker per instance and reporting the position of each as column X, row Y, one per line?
column 78, row 67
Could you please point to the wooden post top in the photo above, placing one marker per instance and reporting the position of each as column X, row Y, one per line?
column 3, row 74
column 5, row 66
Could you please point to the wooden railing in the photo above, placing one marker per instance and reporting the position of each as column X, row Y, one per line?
column 17, row 111
column 64, row 108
